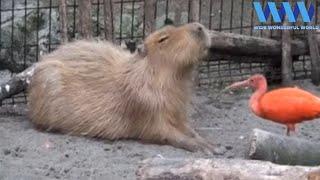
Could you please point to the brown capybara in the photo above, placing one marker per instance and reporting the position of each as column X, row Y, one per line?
column 99, row 90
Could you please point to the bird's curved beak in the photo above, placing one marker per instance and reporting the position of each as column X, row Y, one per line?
column 239, row 84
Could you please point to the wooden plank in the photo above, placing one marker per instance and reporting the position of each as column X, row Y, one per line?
column 315, row 57
column 85, row 25
column 149, row 14
column 108, row 20
column 63, row 21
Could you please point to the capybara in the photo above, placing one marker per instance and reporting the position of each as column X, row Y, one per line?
column 97, row 89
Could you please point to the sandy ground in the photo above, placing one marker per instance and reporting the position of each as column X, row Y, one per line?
column 26, row 153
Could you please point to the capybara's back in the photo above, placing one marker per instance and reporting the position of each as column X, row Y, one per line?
column 99, row 90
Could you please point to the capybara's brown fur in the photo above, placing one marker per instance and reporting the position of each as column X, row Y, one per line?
column 97, row 89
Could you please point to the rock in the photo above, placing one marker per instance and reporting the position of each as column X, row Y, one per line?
column 6, row 151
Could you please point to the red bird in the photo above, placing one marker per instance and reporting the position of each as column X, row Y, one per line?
column 285, row 105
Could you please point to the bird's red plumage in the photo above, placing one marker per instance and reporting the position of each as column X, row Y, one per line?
column 289, row 105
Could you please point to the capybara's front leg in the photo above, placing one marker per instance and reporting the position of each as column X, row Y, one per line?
column 189, row 141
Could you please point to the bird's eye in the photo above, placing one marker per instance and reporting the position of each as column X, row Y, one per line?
column 251, row 80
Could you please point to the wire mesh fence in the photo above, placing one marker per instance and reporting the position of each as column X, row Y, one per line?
column 30, row 28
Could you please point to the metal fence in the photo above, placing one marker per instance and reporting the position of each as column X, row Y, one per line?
column 30, row 28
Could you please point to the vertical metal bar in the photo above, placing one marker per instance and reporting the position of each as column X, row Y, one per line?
column 241, row 20
column 74, row 18
column 316, row 18
column 210, row 15
column 221, row 11
column 0, row 26
column 167, row 9
column 25, row 35
column 0, row 35
column 231, row 15
column 200, row 9
column 98, row 15
column 132, row 19
column 38, row 24
column 251, row 21
column 12, row 38
column 189, row 10
column 24, row 42
column 121, row 16
column 50, row 12
column 261, row 34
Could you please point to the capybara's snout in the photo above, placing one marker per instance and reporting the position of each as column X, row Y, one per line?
column 200, row 33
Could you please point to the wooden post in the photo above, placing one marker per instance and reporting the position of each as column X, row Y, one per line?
column 286, row 65
column 177, row 11
column 149, row 14
column 194, row 15
column 108, row 20
column 63, row 21
column 315, row 57
column 85, row 18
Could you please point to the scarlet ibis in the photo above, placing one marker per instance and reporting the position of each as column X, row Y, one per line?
column 287, row 106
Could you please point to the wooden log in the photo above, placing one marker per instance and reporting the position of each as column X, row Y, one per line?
column 286, row 63
column 315, row 57
column 243, row 45
column 283, row 149
column 63, row 21
column 149, row 14
column 108, row 20
column 85, row 26
column 194, row 14
column 16, row 84
column 211, row 169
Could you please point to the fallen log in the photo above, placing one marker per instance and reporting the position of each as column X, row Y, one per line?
column 242, row 45
column 209, row 169
column 16, row 84
column 283, row 149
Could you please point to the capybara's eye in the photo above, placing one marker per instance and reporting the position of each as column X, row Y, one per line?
column 163, row 38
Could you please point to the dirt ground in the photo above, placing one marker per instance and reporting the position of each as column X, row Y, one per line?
column 26, row 153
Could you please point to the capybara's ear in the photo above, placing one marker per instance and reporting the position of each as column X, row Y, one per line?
column 142, row 50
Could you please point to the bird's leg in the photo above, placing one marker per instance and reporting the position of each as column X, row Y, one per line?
column 290, row 127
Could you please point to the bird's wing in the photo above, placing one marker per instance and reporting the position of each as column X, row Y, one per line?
column 289, row 105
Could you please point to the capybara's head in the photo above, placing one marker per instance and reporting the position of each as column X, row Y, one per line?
column 177, row 46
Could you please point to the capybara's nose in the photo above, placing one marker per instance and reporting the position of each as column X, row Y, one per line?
column 197, row 27
column 200, row 32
